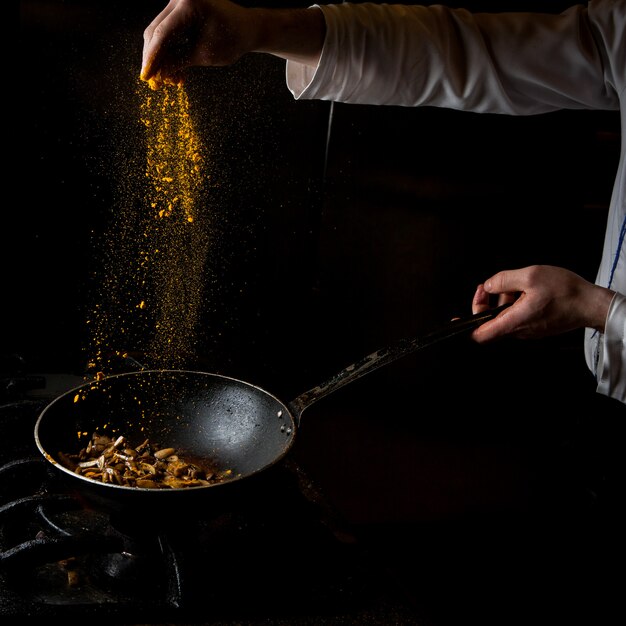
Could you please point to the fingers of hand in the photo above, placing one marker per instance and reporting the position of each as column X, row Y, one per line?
column 480, row 301
column 152, row 40
column 161, row 54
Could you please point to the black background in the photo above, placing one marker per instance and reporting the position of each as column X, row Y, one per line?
column 461, row 459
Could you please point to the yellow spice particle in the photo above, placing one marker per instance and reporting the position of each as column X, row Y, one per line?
column 158, row 250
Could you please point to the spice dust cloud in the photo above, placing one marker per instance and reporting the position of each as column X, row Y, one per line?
column 155, row 251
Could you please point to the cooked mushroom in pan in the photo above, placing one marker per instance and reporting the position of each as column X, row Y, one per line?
column 148, row 466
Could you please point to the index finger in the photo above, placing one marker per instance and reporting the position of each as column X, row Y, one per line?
column 506, row 281
column 152, row 42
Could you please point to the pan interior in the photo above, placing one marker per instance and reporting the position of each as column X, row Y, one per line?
column 231, row 423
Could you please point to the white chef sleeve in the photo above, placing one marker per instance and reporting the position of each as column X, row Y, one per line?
column 611, row 371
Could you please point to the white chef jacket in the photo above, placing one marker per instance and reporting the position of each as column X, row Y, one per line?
column 512, row 63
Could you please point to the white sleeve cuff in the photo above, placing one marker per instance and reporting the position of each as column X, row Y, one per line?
column 611, row 372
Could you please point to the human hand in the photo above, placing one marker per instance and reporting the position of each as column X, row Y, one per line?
column 194, row 32
column 547, row 301
column 219, row 32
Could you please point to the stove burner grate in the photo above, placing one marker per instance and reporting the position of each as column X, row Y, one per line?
column 61, row 555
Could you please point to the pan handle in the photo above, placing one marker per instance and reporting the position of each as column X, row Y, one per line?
column 381, row 357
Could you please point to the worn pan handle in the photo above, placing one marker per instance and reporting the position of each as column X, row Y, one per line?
column 389, row 354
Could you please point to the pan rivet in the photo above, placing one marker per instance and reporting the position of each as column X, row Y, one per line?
column 280, row 413
column 282, row 429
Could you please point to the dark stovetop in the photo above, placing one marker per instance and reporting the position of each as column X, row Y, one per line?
column 285, row 556
column 279, row 554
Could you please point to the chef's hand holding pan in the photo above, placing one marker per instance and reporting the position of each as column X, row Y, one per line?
column 547, row 300
column 219, row 32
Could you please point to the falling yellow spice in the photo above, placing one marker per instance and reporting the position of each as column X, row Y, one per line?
column 173, row 153
column 152, row 283
column 177, row 236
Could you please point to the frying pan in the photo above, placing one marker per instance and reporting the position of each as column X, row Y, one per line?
column 235, row 424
